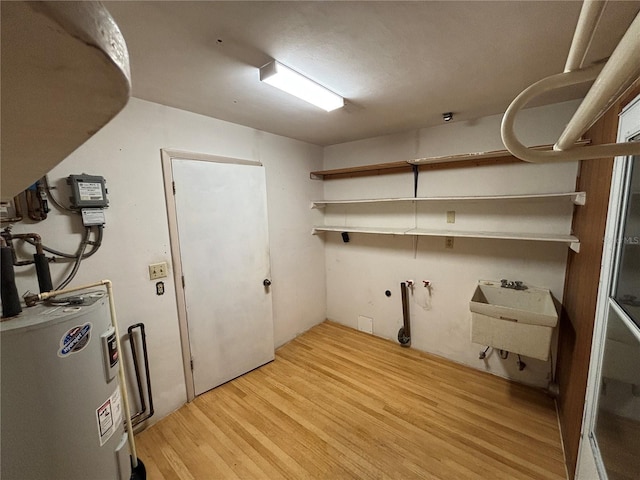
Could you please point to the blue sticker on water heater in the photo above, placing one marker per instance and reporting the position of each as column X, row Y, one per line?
column 75, row 340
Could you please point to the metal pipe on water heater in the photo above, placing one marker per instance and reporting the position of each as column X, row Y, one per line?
column 40, row 260
column 8, row 290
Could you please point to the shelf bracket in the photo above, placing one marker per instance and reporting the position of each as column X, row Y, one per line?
column 575, row 246
column 580, row 198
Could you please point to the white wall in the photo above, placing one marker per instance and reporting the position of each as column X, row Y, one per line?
column 534, row 126
column 358, row 273
column 127, row 153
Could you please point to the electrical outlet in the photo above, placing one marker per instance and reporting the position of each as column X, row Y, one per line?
column 157, row 270
column 451, row 216
column 448, row 242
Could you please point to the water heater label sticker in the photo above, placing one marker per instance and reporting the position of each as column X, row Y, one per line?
column 109, row 416
column 90, row 191
column 75, row 340
column 104, row 415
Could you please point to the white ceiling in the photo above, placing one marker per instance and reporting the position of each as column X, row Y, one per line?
column 399, row 65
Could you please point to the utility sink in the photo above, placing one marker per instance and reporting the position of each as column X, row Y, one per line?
column 533, row 306
column 518, row 321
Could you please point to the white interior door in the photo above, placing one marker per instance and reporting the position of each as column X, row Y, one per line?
column 221, row 215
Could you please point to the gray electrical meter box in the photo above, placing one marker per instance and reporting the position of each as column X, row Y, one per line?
column 88, row 191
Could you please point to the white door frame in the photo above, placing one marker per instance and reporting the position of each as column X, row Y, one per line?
column 167, row 156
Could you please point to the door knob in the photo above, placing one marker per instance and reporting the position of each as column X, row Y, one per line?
column 266, row 282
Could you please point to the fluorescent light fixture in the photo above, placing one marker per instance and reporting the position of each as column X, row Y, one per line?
column 287, row 80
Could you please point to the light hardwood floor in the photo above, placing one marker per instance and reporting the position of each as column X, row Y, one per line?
column 337, row 403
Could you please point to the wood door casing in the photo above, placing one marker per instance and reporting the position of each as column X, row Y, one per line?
column 581, row 283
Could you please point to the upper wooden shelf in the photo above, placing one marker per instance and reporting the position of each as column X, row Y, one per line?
column 379, row 168
column 495, row 157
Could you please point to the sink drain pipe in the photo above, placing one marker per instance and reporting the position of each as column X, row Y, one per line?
column 404, row 334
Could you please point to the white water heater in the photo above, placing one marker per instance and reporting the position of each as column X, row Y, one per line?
column 61, row 413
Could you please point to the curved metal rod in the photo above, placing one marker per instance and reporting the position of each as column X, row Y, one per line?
column 620, row 71
column 559, row 80
column 590, row 15
column 611, row 81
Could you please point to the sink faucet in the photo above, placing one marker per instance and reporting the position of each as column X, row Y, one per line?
column 515, row 285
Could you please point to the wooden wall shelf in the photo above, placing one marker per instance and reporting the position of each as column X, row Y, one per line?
column 495, row 157
column 376, row 169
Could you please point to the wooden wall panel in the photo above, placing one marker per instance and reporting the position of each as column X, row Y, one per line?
column 581, row 284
